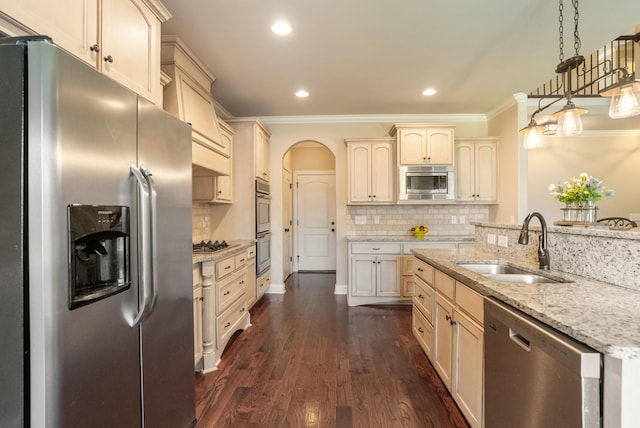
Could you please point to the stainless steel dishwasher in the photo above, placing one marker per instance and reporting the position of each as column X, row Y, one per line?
column 535, row 376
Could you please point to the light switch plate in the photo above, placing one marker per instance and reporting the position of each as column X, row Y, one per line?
column 361, row 219
column 462, row 219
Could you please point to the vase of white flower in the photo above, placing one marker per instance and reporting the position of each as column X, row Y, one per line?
column 579, row 196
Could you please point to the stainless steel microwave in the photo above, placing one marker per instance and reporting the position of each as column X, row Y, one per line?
column 426, row 183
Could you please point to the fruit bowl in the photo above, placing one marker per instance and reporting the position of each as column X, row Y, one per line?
column 419, row 231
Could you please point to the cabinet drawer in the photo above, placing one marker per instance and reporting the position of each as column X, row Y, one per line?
column 264, row 281
column 407, row 247
column 251, row 252
column 423, row 270
column 225, row 266
column 444, row 284
column 229, row 290
column 376, row 248
column 470, row 302
column 240, row 260
column 423, row 331
column 230, row 321
column 423, row 298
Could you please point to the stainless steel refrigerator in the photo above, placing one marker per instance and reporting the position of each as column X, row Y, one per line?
column 96, row 318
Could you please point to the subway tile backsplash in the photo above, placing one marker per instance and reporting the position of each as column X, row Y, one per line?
column 396, row 220
column 200, row 222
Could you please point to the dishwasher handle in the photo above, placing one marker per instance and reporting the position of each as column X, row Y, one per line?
column 520, row 340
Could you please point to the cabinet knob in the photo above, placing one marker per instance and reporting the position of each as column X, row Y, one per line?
column 94, row 48
column 219, row 191
column 108, row 58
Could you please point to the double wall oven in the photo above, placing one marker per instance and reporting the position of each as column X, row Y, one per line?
column 263, row 227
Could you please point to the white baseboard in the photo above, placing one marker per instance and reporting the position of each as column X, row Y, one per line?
column 341, row 289
column 275, row 289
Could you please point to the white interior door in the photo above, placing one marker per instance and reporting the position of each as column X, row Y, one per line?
column 316, row 222
column 287, row 223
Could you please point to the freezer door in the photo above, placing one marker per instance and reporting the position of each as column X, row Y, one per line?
column 164, row 149
column 12, row 228
column 82, row 139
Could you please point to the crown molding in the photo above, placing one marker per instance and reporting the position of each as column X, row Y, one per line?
column 373, row 118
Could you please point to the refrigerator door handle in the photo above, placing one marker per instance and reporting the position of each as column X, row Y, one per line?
column 145, row 269
column 153, row 213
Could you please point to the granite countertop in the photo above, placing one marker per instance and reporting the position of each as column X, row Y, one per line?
column 603, row 316
column 410, row 238
column 233, row 247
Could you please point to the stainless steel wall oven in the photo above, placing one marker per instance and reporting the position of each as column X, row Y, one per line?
column 263, row 226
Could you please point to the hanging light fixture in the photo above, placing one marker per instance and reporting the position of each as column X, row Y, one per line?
column 625, row 93
column 625, row 96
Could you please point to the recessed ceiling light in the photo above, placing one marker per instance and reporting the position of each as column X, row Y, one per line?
column 429, row 91
column 302, row 93
column 281, row 28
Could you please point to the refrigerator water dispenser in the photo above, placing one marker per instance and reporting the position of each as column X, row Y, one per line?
column 99, row 254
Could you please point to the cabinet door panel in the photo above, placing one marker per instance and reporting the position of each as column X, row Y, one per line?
column 440, row 146
column 465, row 172
column 413, row 146
column 467, row 375
column 382, row 179
column 72, row 24
column 485, row 172
column 388, row 275
column 360, row 173
column 130, row 34
column 363, row 275
column 443, row 339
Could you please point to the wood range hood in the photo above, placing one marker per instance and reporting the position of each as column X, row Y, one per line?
column 188, row 97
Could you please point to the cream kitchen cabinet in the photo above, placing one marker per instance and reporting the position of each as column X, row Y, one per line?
column 252, row 140
column 375, row 269
column 216, row 189
column 476, row 169
column 120, row 38
column 263, row 283
column 423, row 144
column 457, row 347
column 197, row 317
column 371, row 170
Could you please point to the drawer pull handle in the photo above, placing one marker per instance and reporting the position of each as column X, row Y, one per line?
column 448, row 318
column 420, row 330
column 453, row 322
column 420, row 296
column 419, row 270
column 242, row 260
column 375, row 249
column 242, row 309
column 227, row 325
column 241, row 282
column 226, row 293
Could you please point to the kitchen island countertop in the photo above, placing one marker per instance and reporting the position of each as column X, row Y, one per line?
column 603, row 316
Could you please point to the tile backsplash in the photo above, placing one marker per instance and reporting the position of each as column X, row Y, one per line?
column 200, row 222
column 396, row 220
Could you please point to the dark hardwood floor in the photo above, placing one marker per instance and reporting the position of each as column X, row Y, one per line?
column 309, row 360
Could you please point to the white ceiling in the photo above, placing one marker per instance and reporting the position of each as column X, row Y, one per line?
column 376, row 56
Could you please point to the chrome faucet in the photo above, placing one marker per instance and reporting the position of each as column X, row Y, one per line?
column 543, row 253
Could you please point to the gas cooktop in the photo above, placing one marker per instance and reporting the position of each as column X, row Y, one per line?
column 209, row 247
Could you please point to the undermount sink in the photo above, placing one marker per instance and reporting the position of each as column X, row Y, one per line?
column 507, row 273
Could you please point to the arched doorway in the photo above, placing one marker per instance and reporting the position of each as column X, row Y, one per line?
column 309, row 212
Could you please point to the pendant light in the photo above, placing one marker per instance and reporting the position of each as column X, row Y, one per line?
column 625, row 97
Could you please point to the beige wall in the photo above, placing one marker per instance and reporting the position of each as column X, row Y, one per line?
column 312, row 156
column 615, row 159
column 504, row 126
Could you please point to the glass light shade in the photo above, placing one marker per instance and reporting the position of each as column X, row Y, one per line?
column 569, row 120
column 531, row 138
column 624, row 102
column 569, row 123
